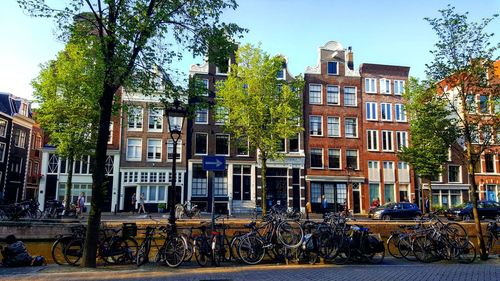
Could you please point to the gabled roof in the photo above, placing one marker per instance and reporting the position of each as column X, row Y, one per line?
column 393, row 70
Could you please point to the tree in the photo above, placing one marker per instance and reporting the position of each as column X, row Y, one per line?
column 463, row 67
column 132, row 37
column 431, row 128
column 258, row 106
column 67, row 90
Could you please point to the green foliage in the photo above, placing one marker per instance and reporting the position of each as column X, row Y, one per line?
column 258, row 106
column 431, row 128
column 67, row 91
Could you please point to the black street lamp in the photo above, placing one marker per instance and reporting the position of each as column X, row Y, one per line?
column 175, row 117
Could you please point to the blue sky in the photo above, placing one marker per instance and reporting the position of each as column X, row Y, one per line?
column 382, row 31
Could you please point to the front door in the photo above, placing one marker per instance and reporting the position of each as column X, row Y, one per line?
column 356, row 199
column 129, row 191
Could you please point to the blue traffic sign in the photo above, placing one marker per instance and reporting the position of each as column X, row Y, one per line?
column 214, row 163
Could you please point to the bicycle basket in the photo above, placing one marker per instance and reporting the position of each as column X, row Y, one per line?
column 129, row 229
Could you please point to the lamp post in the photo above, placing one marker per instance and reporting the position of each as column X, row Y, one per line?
column 349, row 169
column 175, row 117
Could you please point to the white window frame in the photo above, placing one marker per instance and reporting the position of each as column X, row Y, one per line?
column 322, row 158
column 373, row 145
column 196, row 144
column 401, row 136
column 336, row 70
column 357, row 157
column 199, row 113
column 400, row 112
column 20, row 141
column 385, row 86
column 387, row 141
column 2, row 156
column 4, row 132
column 320, row 93
column 156, row 115
column 170, row 147
column 355, row 96
column 205, row 83
column 340, row 158
column 320, row 125
column 459, row 177
column 157, row 147
column 138, row 121
column 337, row 94
column 370, row 85
column 387, row 108
column 228, row 144
column 338, row 126
column 355, row 130
column 137, row 148
column 399, row 87
column 110, row 137
column 371, row 109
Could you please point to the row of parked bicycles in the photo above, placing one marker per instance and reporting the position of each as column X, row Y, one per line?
column 30, row 210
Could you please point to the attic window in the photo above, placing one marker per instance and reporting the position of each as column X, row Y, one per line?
column 280, row 74
column 24, row 109
column 333, row 68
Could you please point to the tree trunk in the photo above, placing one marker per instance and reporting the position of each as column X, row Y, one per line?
column 430, row 196
column 477, row 220
column 263, row 173
column 98, row 177
column 69, row 184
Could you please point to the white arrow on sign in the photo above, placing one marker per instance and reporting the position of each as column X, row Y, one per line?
column 217, row 163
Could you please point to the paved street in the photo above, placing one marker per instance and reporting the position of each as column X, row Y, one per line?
column 391, row 269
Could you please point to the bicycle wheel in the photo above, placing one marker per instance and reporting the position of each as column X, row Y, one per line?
column 189, row 248
column 343, row 254
column 405, row 248
column 216, row 248
column 143, row 254
column 423, row 248
column 57, row 250
column 290, row 234
column 201, row 250
column 251, row 250
column 130, row 253
column 457, row 235
column 467, row 254
column 73, row 252
column 327, row 246
column 235, row 241
column 175, row 250
column 392, row 246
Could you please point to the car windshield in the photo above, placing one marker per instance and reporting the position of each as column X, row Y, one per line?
column 388, row 205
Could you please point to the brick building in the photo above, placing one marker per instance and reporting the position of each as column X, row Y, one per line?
column 385, row 130
column 333, row 137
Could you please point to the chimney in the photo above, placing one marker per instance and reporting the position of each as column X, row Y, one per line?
column 350, row 62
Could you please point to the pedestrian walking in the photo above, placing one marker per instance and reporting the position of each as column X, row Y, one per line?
column 80, row 205
column 324, row 204
column 134, row 202
column 141, row 204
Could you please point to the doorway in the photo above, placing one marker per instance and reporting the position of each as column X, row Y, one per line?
column 277, row 185
column 356, row 198
column 129, row 191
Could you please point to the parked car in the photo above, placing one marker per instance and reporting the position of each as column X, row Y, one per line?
column 389, row 211
column 485, row 209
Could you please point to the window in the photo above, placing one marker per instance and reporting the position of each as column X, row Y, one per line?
column 201, row 143
column 222, row 144
column 350, row 96
column 199, row 182
column 135, row 118
column 483, row 104
column 155, row 119
column 496, row 104
column 385, row 86
column 282, row 146
column 242, row 147
column 374, row 191
column 201, row 116
column 154, row 150
column 399, row 87
column 386, row 111
column 373, row 171
column 170, row 150
column 388, row 171
column 315, row 192
column 387, row 141
column 280, row 75
column 3, row 128
column 389, row 193
column 470, row 101
column 2, row 151
column 332, row 95
column 371, row 111
column 333, row 126
column 490, row 163
column 242, row 175
column 20, row 138
column 134, row 147
column 400, row 113
column 370, row 85
column 316, row 158
column 293, row 144
column 220, row 183
column 453, row 173
column 351, row 128
column 401, row 140
column 352, row 159
column 110, row 137
column 221, row 115
column 333, row 68
column 372, row 140
column 315, row 95
column 315, row 125
column 334, row 159
column 204, row 84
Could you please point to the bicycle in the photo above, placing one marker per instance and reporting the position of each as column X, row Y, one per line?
column 221, row 248
column 492, row 237
column 59, row 246
column 145, row 247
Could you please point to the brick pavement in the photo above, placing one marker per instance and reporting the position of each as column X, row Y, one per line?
column 391, row 269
